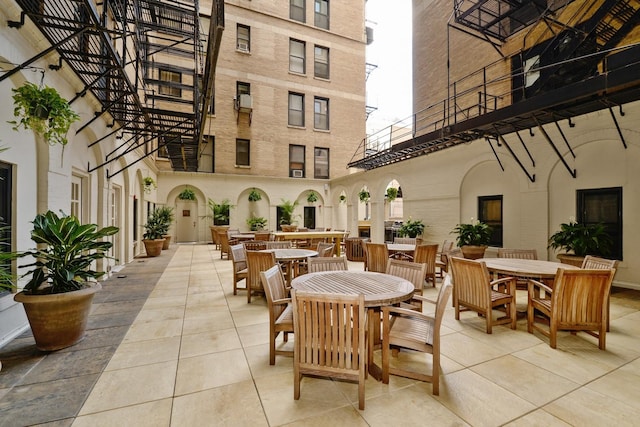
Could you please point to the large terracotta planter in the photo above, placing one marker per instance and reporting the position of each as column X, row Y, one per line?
column 167, row 241
column 153, row 247
column 472, row 251
column 288, row 228
column 570, row 259
column 58, row 320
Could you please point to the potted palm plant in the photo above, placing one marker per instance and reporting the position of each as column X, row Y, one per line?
column 57, row 298
column 154, row 230
column 287, row 216
column 473, row 238
column 579, row 240
column 220, row 213
column 44, row 111
column 166, row 216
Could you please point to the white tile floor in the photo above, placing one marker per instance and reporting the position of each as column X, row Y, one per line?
column 198, row 356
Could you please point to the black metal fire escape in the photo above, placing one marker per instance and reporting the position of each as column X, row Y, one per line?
column 582, row 68
column 144, row 61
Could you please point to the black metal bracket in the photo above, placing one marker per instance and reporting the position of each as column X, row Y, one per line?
column 17, row 24
column 532, row 177
column 546, row 136
column 615, row 121
column 488, row 139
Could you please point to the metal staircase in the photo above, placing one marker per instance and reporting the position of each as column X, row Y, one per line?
column 143, row 61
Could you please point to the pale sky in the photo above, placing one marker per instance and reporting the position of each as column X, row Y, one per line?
column 389, row 86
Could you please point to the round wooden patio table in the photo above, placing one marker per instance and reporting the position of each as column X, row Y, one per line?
column 379, row 289
column 290, row 257
column 529, row 268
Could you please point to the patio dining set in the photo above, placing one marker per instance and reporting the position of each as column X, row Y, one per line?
column 340, row 317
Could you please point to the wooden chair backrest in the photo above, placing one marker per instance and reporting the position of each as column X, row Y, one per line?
column 256, row 262
column 595, row 263
column 405, row 240
column 377, row 256
column 412, row 271
column 471, row 282
column 278, row 244
column 325, row 249
column 274, row 289
column 329, row 332
column 231, row 231
column 579, row 297
column 224, row 242
column 262, row 235
column 315, row 264
column 354, row 247
column 517, row 253
column 254, row 245
column 426, row 254
column 238, row 257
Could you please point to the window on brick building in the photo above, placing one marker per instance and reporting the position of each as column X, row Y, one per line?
column 296, row 161
column 297, row 10
column 321, row 9
column 321, row 163
column 242, row 152
column 297, row 56
column 321, row 62
column 321, row 113
column 296, row 109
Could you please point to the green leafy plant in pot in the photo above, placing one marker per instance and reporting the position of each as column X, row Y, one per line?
column 287, row 217
column 187, row 194
column 44, row 111
column 166, row 215
column 220, row 214
column 257, row 223
column 411, row 228
column 473, row 238
column 57, row 298
column 154, row 230
column 579, row 240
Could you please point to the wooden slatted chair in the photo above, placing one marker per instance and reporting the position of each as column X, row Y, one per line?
column 377, row 256
column 325, row 249
column 262, row 235
column 280, row 310
column 405, row 240
column 225, row 244
column 518, row 254
column 279, row 244
column 414, row 273
column 474, row 290
column 577, row 302
column 240, row 271
column 442, row 261
column 410, row 330
column 427, row 254
column 591, row 262
column 315, row 264
column 254, row 245
column 257, row 261
column 330, row 338
column 354, row 248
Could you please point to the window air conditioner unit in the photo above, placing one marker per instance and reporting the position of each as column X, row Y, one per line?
column 245, row 104
column 297, row 173
column 243, row 46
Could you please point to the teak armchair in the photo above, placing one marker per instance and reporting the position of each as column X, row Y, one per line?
column 377, row 256
column 257, row 261
column 330, row 338
column 408, row 329
column 325, row 249
column 577, row 302
column 240, row 270
column 518, row 254
column 427, row 254
column 315, row 264
column 280, row 310
column 225, row 243
column 591, row 262
column 474, row 290
column 412, row 272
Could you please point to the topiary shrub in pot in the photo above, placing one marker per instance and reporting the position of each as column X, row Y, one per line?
column 57, row 298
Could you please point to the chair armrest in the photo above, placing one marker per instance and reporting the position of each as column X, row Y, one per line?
column 405, row 312
column 282, row 301
column 510, row 282
column 422, row 298
column 531, row 284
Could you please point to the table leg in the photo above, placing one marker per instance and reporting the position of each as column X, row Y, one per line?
column 338, row 242
column 373, row 322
